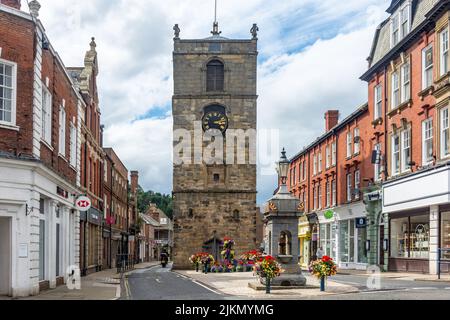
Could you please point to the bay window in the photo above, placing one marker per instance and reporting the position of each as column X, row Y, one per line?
column 395, row 100
column 395, row 151
column 443, row 67
column 445, row 133
column 378, row 102
column 427, row 141
column 406, row 150
column 406, row 82
column 427, row 67
column 7, row 93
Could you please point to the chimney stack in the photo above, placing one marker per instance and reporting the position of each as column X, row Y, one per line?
column 331, row 119
column 11, row 3
column 134, row 181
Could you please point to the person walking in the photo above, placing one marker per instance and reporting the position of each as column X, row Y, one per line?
column 320, row 253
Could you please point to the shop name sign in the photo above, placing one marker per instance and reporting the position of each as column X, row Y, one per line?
column 361, row 223
column 83, row 203
column 374, row 196
column 329, row 214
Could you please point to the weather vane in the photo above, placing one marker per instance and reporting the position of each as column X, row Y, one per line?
column 215, row 24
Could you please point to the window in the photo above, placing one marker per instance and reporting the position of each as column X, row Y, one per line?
column 105, row 173
column 395, row 91
column 327, row 238
column 42, row 242
column 445, row 133
column 349, row 144
column 349, row 187
column 406, row 84
column 333, row 154
column 320, row 162
column 347, row 241
column 319, row 196
column 328, row 157
column 445, row 234
column 427, row 141
column 395, row 154
column 46, row 133
column 315, row 164
column 406, row 150
column 395, row 36
column 328, row 186
column 7, row 93
column 404, row 15
column 73, row 145
column 357, row 141
column 378, row 102
column 357, row 184
column 334, row 194
column 295, row 174
column 378, row 164
column 315, row 197
column 427, row 67
column 443, row 67
column 300, row 175
column 215, row 76
column 62, row 131
column 410, row 237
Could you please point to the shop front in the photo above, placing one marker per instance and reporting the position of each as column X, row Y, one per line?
column 91, row 241
column 304, row 238
column 343, row 235
column 418, row 207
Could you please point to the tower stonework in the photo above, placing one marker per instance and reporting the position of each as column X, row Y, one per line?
column 215, row 82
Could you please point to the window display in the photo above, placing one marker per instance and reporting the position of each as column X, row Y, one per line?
column 362, row 252
column 445, row 234
column 410, row 237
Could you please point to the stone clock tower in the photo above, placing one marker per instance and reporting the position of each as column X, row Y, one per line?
column 214, row 91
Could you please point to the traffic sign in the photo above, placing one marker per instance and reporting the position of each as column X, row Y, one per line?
column 83, row 203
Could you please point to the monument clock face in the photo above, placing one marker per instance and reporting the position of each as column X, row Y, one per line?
column 215, row 120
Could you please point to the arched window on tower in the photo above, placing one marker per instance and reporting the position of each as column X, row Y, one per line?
column 215, row 76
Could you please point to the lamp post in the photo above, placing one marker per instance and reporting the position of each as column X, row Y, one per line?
column 282, row 170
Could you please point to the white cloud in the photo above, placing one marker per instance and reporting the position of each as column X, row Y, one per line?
column 296, row 83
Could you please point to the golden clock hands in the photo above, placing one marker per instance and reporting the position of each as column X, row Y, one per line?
column 219, row 122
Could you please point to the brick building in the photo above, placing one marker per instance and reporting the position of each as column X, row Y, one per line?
column 39, row 157
column 133, row 217
column 408, row 80
column 329, row 177
column 115, row 226
column 91, row 161
column 164, row 232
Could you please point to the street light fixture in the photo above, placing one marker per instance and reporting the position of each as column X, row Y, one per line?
column 283, row 167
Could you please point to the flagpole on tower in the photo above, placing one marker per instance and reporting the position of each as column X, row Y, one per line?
column 215, row 24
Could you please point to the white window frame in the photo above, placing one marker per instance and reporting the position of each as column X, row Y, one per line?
column 395, row 29
column 320, row 161
column 357, row 145
column 395, row 154
column 315, row 197
column 427, row 71
column 319, row 196
column 378, row 105
column 395, row 90
column 349, row 187
column 62, row 131
column 406, row 82
column 377, row 166
column 357, row 184
column 328, row 187
column 327, row 157
column 403, row 21
column 334, row 193
column 349, row 144
column 445, row 132
column 46, row 133
column 13, row 65
column 405, row 142
column 333, row 154
column 73, row 145
column 443, row 51
column 427, row 141
column 315, row 164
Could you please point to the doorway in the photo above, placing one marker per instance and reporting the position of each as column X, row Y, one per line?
column 5, row 254
column 381, row 245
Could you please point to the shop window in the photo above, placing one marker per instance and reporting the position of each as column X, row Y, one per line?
column 445, row 234
column 327, row 236
column 347, row 241
column 362, row 252
column 410, row 237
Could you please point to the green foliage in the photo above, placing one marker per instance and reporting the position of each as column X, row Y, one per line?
column 163, row 201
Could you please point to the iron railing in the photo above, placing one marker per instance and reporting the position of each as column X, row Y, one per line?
column 125, row 262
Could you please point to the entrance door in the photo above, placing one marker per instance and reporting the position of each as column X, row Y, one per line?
column 5, row 256
column 214, row 247
column 381, row 245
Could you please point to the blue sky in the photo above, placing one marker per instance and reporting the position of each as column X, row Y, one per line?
column 311, row 56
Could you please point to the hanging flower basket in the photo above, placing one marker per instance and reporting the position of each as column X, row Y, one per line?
column 267, row 268
column 322, row 269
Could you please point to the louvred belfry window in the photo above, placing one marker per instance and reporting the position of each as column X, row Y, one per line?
column 215, row 76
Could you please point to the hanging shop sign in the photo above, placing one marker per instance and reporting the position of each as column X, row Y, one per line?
column 83, row 203
column 361, row 223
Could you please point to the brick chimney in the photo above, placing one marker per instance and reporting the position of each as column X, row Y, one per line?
column 11, row 3
column 331, row 119
column 134, row 181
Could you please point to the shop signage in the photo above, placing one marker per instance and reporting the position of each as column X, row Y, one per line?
column 62, row 193
column 374, row 196
column 329, row 214
column 83, row 203
column 361, row 223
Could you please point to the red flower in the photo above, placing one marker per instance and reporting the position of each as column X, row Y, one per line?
column 326, row 259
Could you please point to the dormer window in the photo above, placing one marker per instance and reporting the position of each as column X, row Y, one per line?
column 400, row 24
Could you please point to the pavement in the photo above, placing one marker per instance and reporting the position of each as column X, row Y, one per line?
column 103, row 285
column 398, row 275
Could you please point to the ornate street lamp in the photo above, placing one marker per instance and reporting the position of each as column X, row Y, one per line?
column 282, row 170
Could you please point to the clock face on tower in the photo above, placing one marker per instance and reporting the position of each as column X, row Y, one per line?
column 215, row 120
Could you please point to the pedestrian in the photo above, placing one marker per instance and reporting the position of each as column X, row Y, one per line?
column 320, row 253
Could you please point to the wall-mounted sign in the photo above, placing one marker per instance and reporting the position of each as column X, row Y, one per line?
column 361, row 223
column 374, row 196
column 23, row 250
column 83, row 203
column 329, row 214
column 61, row 192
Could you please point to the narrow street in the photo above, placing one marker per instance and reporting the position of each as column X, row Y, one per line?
column 159, row 283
